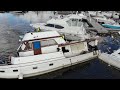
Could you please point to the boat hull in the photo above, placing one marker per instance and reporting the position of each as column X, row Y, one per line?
column 111, row 26
column 109, row 60
column 39, row 68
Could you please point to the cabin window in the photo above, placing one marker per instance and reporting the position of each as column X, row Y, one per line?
column 49, row 42
column 50, row 25
column 119, row 53
column 35, row 67
column 26, row 46
column 69, row 22
column 15, row 70
column 2, row 71
column 74, row 22
column 59, row 27
column 80, row 23
column 30, row 45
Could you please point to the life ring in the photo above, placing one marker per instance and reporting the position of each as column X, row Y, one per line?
column 20, row 76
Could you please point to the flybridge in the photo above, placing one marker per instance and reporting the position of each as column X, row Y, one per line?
column 40, row 35
column 37, row 57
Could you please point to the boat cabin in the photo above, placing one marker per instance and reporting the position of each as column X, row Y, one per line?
column 72, row 24
column 49, row 42
column 72, row 20
column 39, row 43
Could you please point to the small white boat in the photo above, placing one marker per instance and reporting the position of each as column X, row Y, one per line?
column 43, row 52
column 112, row 59
column 107, row 14
column 104, row 20
column 101, row 13
column 71, row 26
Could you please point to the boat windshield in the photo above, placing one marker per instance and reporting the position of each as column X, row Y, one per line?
column 55, row 26
column 25, row 46
column 49, row 42
column 75, row 22
column 50, row 25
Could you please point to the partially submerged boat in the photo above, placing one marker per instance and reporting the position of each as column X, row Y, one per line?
column 71, row 26
column 112, row 58
column 43, row 52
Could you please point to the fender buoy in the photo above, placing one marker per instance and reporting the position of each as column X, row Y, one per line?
column 20, row 76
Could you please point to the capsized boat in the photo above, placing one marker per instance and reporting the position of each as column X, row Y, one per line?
column 112, row 59
column 43, row 52
column 71, row 26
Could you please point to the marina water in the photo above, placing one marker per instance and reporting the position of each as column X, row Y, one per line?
column 13, row 25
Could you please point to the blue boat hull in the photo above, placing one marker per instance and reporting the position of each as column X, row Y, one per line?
column 111, row 26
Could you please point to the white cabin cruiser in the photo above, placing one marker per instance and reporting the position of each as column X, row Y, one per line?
column 101, row 13
column 112, row 59
column 107, row 14
column 43, row 52
column 71, row 26
column 104, row 20
column 96, row 13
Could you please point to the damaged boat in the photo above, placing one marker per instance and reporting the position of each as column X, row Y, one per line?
column 43, row 52
column 70, row 26
column 112, row 58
